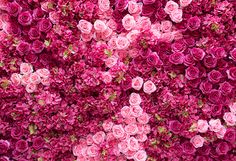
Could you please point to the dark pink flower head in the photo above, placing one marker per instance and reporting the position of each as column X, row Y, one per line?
column 148, row 10
column 14, row 8
column 192, row 73
column 205, row 150
column 175, row 126
column 214, row 96
column 197, row 53
column 231, row 73
column 16, row 133
column 34, row 33
column 176, row 58
column 4, row 158
column 205, row 87
column 153, row 59
column 188, row 60
column 148, row 1
column 216, row 110
column 214, row 76
column 126, row 83
column 23, row 47
column 222, row 148
column 225, row 88
column 38, row 13
column 219, row 52
column 4, row 146
column 21, row 146
column 44, row 25
column 37, row 46
column 188, row 148
column 230, row 135
column 38, row 143
column 12, row 29
column 209, row 61
column 178, row 46
column 233, row 54
column 193, row 23
column 25, row 18
column 121, row 5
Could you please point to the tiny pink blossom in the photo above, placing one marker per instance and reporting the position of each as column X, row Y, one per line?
column 184, row 3
column 131, row 129
column 220, row 134
column 106, row 77
column 133, row 144
column 143, row 119
column 100, row 26
column 34, row 78
column 99, row 137
column 170, row 7
column 26, row 68
column 107, row 125
column 128, row 22
column 149, row 87
column 215, row 125
column 197, row 141
column 85, row 26
column 137, row 83
column 118, row 131
column 136, row 111
column 135, row 99
column 141, row 155
column 202, row 126
column 16, row 79
column 229, row 118
column 30, row 87
column 126, row 111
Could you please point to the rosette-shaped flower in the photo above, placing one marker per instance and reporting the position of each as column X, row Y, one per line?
column 25, row 18
column 193, row 23
column 44, row 25
column 4, row 146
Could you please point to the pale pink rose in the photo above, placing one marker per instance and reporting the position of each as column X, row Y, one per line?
column 43, row 73
column 84, row 151
column 123, row 146
column 177, row 35
column 220, row 134
column 136, row 111
column 45, row 81
column 110, row 137
column 143, row 119
column 107, row 125
column 54, row 17
column 112, row 43
column 104, row 5
column 156, row 34
column 16, row 79
column 112, row 24
column 122, row 43
column 134, row 8
column 232, row 107
column 86, row 37
column 126, row 111
column 30, row 87
column 130, row 120
column 99, row 137
column 106, row 77
column 107, row 33
column 133, row 35
column 129, row 154
column 34, row 78
column 100, row 26
column 197, row 141
column 140, row 128
column 77, row 149
column 116, row 151
column 144, row 23
column 215, row 125
column 26, row 68
column 170, row 7
column 202, row 126
column 166, row 26
column 111, row 61
column 118, row 131
column 137, row 83
column 167, row 37
column 93, row 150
column 128, row 22
column 125, row 137
column 81, row 159
column 89, row 139
column 184, row 3
column 147, row 129
column 133, row 144
column 131, row 129
column 176, row 16
column 25, row 79
column 229, row 118
column 149, row 87
column 141, row 155
column 85, row 26
column 97, row 36
column 135, row 99
column 141, row 137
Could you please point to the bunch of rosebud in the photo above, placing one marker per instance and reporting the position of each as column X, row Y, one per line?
column 137, row 83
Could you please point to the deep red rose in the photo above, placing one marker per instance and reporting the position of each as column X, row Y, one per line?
column 225, row 88
column 194, row 83
column 37, row 46
column 31, row 58
column 25, row 18
column 21, row 146
column 13, row 29
column 222, row 148
column 230, row 135
column 214, row 96
column 120, row 5
column 188, row 60
column 38, row 143
column 219, row 52
column 23, row 47
column 13, row 8
column 192, row 73
column 200, row 158
column 210, row 61
column 193, row 23
column 4, row 146
column 233, row 54
column 34, row 33
column 197, row 53
column 205, row 87
column 160, row 14
column 38, row 13
column 214, row 76
column 188, row 148
column 16, row 133
column 175, row 126
column 44, row 25
column 148, row 10
column 148, row 1
column 176, row 58
column 232, row 73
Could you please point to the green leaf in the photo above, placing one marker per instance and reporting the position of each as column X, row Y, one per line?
column 108, row 52
column 47, row 43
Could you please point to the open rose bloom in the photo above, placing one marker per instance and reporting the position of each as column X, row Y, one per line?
column 117, row 80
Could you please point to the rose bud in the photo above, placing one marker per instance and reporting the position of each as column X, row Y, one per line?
column 233, row 54
column 197, row 141
column 176, row 16
column 128, row 22
column 175, row 126
column 231, row 73
column 34, row 33
column 210, row 61
column 149, row 87
column 214, row 96
column 25, row 18
column 193, row 23
column 230, row 135
column 225, row 88
column 135, row 99
column 184, row 3
column 37, row 46
column 229, row 118
column 170, row 7
column 222, row 148
column 14, row 8
column 38, row 14
column 205, row 87
column 44, row 25
column 137, row 83
column 192, row 73
column 21, row 146
column 188, row 148
column 4, row 146
column 141, row 155
column 176, row 58
column 197, row 53
column 38, row 143
column 23, row 47
column 214, row 76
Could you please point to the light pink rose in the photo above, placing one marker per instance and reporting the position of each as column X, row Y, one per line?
column 220, row 134
column 77, row 149
column 141, row 137
column 129, row 154
column 147, row 129
column 34, row 78
column 43, row 73
column 130, row 120
column 133, row 144
column 167, row 37
column 133, row 35
column 26, row 68
column 137, row 83
column 128, row 22
column 166, row 26
column 106, row 77
column 99, row 137
column 118, row 131
column 229, row 118
column 156, row 34
column 107, row 33
column 111, row 61
column 141, row 155
column 30, row 87
column 184, row 3
column 25, row 80
column 45, row 81
column 81, row 159
column 107, row 125
column 100, row 26
column 122, row 43
column 140, row 128
column 134, row 8
column 144, row 23
column 135, row 99
column 215, row 125
column 197, row 141
column 232, row 107
column 16, row 79
column 93, row 150
column 85, row 26
column 202, row 126
column 143, row 119
column 104, row 5
column 131, row 129
column 136, row 111
column 86, row 37
column 149, row 87
column 89, row 139
column 123, row 146
column 112, row 24
column 112, row 42
column 176, row 16
column 170, row 7
column 126, row 111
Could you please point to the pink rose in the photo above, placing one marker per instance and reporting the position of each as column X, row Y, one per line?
column 210, row 61
column 233, row 54
column 167, row 37
column 100, row 26
column 197, row 53
column 149, row 87
column 128, row 22
column 222, row 148
column 166, row 26
column 133, row 35
column 229, row 118
column 37, row 46
column 193, row 23
column 130, row 120
column 192, row 73
column 134, row 7
column 147, row 129
column 106, row 77
column 89, row 139
column 25, row 18
column 214, row 96
column 170, row 7
column 126, row 111
column 148, row 10
column 202, row 126
column 133, row 144
column 118, row 131
column 197, row 141
column 38, row 14
column 21, row 146
column 232, row 107
column 231, row 73
column 16, row 79
column 141, row 137
column 219, row 52
column 112, row 24
column 230, row 135
column 188, row 60
column 144, row 23
column 85, row 26
column 143, row 119
column 131, row 129
column 86, row 37
column 34, row 78
column 137, row 83
column 122, row 43
column 45, row 82
column 184, row 3
column 77, row 149
column 214, row 76
column 99, row 137
column 123, row 146
column 107, row 33
column 141, row 155
column 175, row 126
column 225, row 88
column 34, row 33
column 136, row 111
column 146, row 2
column 111, row 61
column 25, row 79
column 54, row 17
column 14, row 8
column 104, row 5
column 30, row 87
column 135, row 99
column 176, row 16
column 176, row 58
column 44, row 25
column 220, row 134
column 43, row 73
column 215, row 125
column 23, row 47
column 93, row 151
column 26, row 68
column 107, row 125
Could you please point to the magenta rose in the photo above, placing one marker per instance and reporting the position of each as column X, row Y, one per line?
column 153, row 59
column 230, row 135
column 176, row 58
column 148, row 10
column 214, row 96
column 193, row 23
column 189, row 41
column 216, row 110
column 37, row 46
column 222, row 148
column 188, row 148
column 205, row 87
column 16, row 133
column 38, row 13
column 4, row 158
column 126, row 83
column 192, row 73
column 225, row 88
column 25, row 18
column 231, row 73
column 21, row 146
column 148, row 1
column 38, row 143
column 214, row 76
column 219, row 52
column 120, row 5
column 14, row 8
column 175, row 126
column 31, row 58
column 188, row 60
column 233, row 54
column 44, row 25
column 4, row 146
column 160, row 14
column 178, row 46
column 34, row 33
column 23, row 47
column 205, row 150
column 197, row 53
column 13, row 29
column 210, row 61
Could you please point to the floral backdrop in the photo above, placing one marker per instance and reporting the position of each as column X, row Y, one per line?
column 117, row 80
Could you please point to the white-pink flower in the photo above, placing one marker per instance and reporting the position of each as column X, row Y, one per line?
column 26, row 68
column 118, row 131
column 232, row 107
column 122, row 43
column 184, row 3
column 176, row 16
column 77, row 149
column 34, row 78
column 89, row 139
column 25, row 79
column 128, row 22
column 170, row 7
column 135, row 99
column 43, row 73
column 229, row 118
column 143, row 119
column 197, row 141
column 100, row 26
column 131, row 129
column 93, row 150
column 215, row 125
column 166, row 26
column 133, row 35
column 126, row 111
column 202, row 126
column 141, row 155
column 141, row 137
column 99, row 137
column 16, row 79
column 137, row 83
column 220, row 134
column 111, row 61
column 134, row 8
column 123, row 146
column 104, row 5
column 30, row 87
column 85, row 26
column 136, row 111
column 149, row 87
column 107, row 125
column 133, row 144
